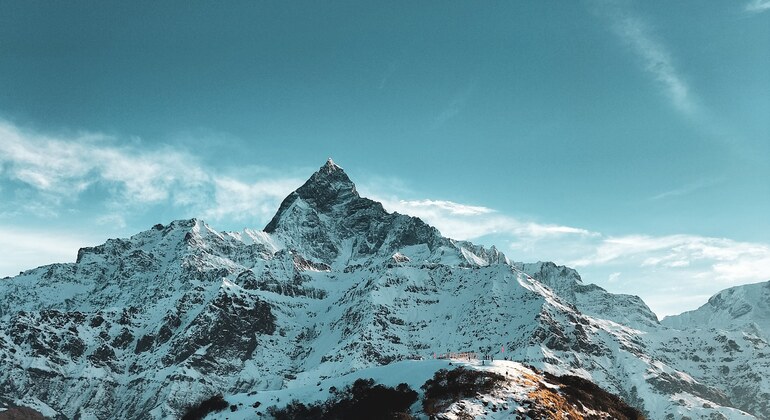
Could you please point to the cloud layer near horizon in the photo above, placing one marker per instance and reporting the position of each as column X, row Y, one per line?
column 671, row 272
column 48, row 175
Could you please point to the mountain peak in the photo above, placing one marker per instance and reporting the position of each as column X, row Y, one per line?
column 328, row 186
column 320, row 216
column 325, row 189
column 330, row 166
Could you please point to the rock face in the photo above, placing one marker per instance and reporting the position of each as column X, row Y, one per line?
column 146, row 326
column 326, row 220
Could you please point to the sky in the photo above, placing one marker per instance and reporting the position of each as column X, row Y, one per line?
column 627, row 139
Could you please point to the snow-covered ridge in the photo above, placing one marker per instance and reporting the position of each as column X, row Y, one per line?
column 519, row 394
column 734, row 307
column 332, row 285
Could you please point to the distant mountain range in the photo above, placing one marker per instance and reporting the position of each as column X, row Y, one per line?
column 335, row 288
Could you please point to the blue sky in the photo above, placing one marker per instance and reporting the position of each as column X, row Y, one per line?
column 628, row 139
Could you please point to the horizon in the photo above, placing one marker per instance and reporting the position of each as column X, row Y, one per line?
column 627, row 140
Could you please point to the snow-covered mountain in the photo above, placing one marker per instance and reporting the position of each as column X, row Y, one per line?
column 145, row 326
column 725, row 344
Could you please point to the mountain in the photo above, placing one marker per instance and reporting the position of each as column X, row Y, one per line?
column 334, row 285
column 743, row 307
column 726, row 344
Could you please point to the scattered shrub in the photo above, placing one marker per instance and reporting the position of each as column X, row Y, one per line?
column 367, row 400
column 361, row 400
column 578, row 391
column 21, row 413
column 449, row 386
column 205, row 407
column 296, row 410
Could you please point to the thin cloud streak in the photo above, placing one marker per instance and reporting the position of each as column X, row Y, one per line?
column 462, row 221
column 659, row 267
column 388, row 73
column 641, row 40
column 240, row 201
column 685, row 190
column 455, row 106
column 757, row 6
column 451, row 207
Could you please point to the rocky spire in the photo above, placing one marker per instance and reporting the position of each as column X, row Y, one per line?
column 328, row 187
column 326, row 218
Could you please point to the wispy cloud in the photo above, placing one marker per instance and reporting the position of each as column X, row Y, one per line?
column 448, row 206
column 64, row 167
column 659, row 267
column 653, row 53
column 613, row 277
column 240, row 201
column 56, row 169
column 674, row 251
column 757, row 6
column 723, row 260
column 388, row 73
column 455, row 106
column 464, row 221
column 115, row 220
column 686, row 189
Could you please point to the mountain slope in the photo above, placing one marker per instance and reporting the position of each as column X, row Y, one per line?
column 334, row 284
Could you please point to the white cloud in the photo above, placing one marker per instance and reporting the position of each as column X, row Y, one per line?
column 114, row 220
column 449, row 206
column 392, row 67
column 57, row 170
column 67, row 166
column 463, row 221
column 613, row 277
column 658, row 268
column 60, row 168
column 237, row 200
column 721, row 260
column 757, row 6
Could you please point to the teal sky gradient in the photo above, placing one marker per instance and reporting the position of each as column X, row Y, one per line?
column 620, row 118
